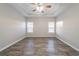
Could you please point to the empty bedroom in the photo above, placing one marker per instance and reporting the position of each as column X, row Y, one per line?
column 39, row 29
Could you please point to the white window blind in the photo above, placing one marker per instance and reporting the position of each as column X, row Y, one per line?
column 50, row 27
column 29, row 26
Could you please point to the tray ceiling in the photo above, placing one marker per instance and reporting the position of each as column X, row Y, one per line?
column 50, row 9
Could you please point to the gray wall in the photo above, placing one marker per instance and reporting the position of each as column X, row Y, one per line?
column 67, row 26
column 40, row 26
column 12, row 26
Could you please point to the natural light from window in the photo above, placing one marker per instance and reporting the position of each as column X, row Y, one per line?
column 51, row 27
column 29, row 27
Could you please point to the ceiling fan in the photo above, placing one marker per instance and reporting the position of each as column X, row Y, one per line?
column 40, row 7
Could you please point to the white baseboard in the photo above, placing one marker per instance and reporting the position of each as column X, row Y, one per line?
column 12, row 43
column 67, row 43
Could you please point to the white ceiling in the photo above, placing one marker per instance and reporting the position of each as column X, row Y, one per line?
column 26, row 9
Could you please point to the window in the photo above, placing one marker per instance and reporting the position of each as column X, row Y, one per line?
column 29, row 26
column 50, row 27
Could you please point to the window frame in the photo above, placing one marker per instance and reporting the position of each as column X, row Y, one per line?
column 53, row 27
column 28, row 27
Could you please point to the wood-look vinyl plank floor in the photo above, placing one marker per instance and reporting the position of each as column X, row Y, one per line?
column 39, row 46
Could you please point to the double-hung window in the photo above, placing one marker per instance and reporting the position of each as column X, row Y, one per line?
column 29, row 27
column 51, row 27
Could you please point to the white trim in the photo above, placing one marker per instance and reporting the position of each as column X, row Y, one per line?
column 12, row 43
column 57, row 36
